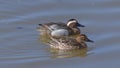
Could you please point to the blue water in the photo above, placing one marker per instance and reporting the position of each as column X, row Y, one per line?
column 19, row 41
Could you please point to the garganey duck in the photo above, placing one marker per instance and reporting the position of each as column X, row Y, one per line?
column 68, row 43
column 53, row 26
column 62, row 29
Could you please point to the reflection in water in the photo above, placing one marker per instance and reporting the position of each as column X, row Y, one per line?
column 44, row 38
column 57, row 53
column 68, row 53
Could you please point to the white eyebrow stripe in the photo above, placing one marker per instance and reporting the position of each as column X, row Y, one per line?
column 70, row 22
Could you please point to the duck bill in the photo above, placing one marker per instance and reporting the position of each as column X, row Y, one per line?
column 80, row 25
column 88, row 40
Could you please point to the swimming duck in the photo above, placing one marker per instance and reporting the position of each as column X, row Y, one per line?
column 53, row 26
column 68, row 43
column 62, row 29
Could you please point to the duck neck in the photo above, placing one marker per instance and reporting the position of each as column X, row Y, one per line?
column 81, row 42
column 76, row 30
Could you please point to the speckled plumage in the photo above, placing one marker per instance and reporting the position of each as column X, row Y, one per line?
column 70, row 43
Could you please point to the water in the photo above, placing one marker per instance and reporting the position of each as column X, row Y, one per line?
column 19, row 41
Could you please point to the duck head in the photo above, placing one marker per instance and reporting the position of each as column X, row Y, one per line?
column 74, row 23
column 83, row 38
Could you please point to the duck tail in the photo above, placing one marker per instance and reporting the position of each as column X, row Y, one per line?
column 45, row 27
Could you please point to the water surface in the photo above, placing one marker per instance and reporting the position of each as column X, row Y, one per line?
column 20, row 46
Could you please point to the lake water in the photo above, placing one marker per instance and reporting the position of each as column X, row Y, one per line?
column 19, row 41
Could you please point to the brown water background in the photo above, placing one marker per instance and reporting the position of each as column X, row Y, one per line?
column 19, row 41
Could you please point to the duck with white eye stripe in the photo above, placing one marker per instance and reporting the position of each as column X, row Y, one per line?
column 62, row 29
column 59, row 25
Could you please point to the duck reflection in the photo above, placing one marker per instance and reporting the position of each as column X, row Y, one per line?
column 44, row 37
column 56, row 53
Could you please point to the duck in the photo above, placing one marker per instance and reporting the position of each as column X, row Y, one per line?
column 62, row 29
column 53, row 26
column 68, row 43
